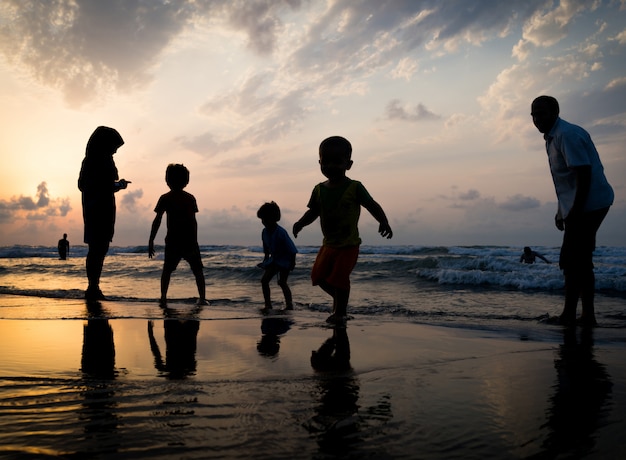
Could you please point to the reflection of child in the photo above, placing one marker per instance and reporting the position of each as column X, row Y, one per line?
column 337, row 202
column 280, row 254
column 181, row 241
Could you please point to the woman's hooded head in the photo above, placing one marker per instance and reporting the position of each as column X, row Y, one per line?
column 103, row 141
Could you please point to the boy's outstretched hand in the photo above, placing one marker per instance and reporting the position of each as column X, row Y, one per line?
column 151, row 249
column 297, row 227
column 385, row 230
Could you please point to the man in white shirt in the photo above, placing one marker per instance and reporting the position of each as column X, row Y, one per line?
column 584, row 197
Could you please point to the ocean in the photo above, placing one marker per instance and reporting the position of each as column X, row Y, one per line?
column 466, row 287
column 447, row 354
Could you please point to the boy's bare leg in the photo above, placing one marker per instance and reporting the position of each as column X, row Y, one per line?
column 165, row 284
column 268, row 274
column 342, row 296
column 282, row 282
column 199, row 275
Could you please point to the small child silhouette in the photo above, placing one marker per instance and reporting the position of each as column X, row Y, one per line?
column 337, row 202
column 280, row 254
column 181, row 241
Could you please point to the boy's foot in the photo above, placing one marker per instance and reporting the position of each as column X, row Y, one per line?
column 266, row 309
column 336, row 319
column 202, row 302
column 162, row 302
column 289, row 307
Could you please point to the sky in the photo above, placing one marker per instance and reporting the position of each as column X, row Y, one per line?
column 433, row 95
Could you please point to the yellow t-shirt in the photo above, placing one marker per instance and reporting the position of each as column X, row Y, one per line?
column 339, row 209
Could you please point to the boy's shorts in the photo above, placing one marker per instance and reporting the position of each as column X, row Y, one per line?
column 174, row 253
column 334, row 265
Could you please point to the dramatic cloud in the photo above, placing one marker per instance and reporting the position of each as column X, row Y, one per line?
column 38, row 208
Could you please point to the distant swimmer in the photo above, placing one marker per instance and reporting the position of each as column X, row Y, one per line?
column 529, row 256
column 63, row 247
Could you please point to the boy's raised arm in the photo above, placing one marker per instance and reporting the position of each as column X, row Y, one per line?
column 377, row 213
column 308, row 218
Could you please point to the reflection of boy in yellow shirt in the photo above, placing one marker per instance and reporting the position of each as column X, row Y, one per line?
column 337, row 202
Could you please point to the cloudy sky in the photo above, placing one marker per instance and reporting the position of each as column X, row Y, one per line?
column 434, row 96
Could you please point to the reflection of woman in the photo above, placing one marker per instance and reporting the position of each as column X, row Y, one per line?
column 98, row 357
column 98, row 181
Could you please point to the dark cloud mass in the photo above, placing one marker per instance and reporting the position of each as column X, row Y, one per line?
column 520, row 203
column 87, row 46
column 395, row 111
column 40, row 207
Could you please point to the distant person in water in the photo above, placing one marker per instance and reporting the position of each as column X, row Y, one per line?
column 63, row 247
column 98, row 182
column 584, row 197
column 529, row 256
column 280, row 254
column 337, row 202
column 181, row 240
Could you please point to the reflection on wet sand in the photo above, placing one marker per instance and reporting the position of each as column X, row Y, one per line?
column 579, row 403
column 99, row 407
column 181, row 335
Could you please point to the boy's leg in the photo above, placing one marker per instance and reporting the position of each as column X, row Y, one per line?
column 337, row 280
column 282, row 282
column 169, row 265
column 195, row 263
column 268, row 274
column 165, row 283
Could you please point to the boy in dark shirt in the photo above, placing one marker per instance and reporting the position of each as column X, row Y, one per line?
column 181, row 241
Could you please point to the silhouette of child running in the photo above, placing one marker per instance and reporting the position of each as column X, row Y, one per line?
column 181, row 241
column 337, row 202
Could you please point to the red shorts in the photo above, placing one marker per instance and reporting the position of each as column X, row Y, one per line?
column 334, row 265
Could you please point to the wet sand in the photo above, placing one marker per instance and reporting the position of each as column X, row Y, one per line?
column 122, row 381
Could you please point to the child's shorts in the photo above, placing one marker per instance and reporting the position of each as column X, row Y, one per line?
column 173, row 255
column 334, row 265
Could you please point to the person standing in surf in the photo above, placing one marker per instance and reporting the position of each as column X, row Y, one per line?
column 63, row 247
column 181, row 240
column 280, row 254
column 337, row 202
column 98, row 182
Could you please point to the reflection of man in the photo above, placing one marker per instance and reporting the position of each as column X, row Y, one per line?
column 584, row 197
column 63, row 247
column 582, row 391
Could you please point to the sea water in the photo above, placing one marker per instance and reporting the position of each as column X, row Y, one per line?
column 81, row 381
column 477, row 286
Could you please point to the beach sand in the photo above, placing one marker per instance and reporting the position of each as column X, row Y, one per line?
column 120, row 381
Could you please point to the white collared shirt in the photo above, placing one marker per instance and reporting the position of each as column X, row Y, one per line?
column 570, row 146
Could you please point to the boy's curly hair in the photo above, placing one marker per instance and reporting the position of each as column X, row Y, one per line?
column 269, row 211
column 177, row 176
